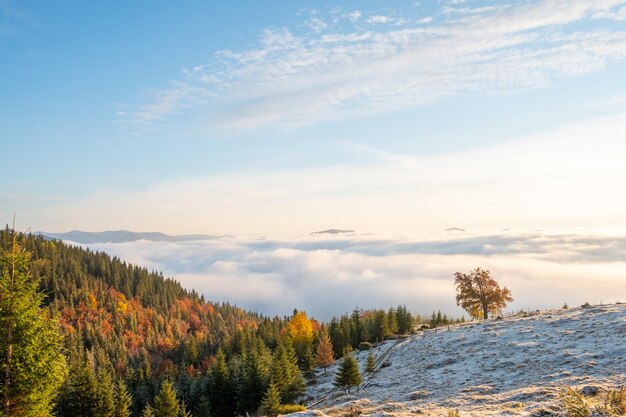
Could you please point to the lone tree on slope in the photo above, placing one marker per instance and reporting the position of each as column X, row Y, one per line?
column 348, row 375
column 479, row 294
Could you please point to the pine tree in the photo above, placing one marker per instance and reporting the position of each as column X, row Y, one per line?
column 405, row 320
column 285, row 373
column 165, row 403
column 106, row 394
column 324, row 356
column 32, row 363
column 123, row 400
column 148, row 412
column 221, row 396
column 392, row 321
column 356, row 328
column 271, row 400
column 370, row 365
column 308, row 364
column 433, row 319
column 79, row 394
column 382, row 325
column 183, row 410
column 348, row 375
column 254, row 377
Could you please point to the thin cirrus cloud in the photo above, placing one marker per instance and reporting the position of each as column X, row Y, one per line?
column 360, row 65
column 328, row 275
column 565, row 177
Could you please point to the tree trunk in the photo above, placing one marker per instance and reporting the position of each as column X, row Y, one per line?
column 485, row 312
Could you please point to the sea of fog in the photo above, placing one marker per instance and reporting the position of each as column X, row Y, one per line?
column 328, row 274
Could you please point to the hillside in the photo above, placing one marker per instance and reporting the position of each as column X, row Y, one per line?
column 134, row 324
column 514, row 366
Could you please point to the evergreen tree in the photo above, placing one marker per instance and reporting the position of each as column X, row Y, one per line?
column 370, row 365
column 254, row 377
column 405, row 320
column 356, row 327
column 324, row 356
column 222, row 401
column 165, row 403
column 382, row 325
column 79, row 394
column 148, row 412
column 106, row 394
column 271, row 401
column 32, row 363
column 348, row 375
column 308, row 364
column 183, row 410
column 285, row 373
column 123, row 400
column 392, row 321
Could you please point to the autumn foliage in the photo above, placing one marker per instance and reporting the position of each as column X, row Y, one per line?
column 479, row 294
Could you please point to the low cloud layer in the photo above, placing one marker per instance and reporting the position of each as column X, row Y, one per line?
column 328, row 275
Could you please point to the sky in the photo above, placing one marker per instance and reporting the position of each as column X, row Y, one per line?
column 276, row 119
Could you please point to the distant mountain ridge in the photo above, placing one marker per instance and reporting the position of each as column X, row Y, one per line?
column 332, row 232
column 120, row 236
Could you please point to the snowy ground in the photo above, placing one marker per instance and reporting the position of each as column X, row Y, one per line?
column 514, row 366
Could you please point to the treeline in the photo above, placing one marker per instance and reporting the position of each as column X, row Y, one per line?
column 361, row 329
column 438, row 319
column 137, row 343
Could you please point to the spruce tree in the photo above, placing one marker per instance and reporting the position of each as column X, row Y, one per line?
column 324, row 356
column 32, row 362
column 356, row 328
column 348, row 375
column 123, row 400
column 370, row 365
column 308, row 364
column 382, row 325
column 183, row 410
column 392, row 321
column 106, row 394
column 165, row 403
column 79, row 394
column 285, row 373
column 254, row 377
column 221, row 395
column 271, row 401
column 148, row 412
column 405, row 320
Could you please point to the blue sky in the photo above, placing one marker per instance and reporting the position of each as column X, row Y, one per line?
column 282, row 118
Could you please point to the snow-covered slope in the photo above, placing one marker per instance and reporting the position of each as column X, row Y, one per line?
column 514, row 366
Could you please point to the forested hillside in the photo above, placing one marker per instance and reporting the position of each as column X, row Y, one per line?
column 136, row 340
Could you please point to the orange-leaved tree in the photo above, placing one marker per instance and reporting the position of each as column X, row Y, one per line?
column 324, row 356
column 479, row 294
column 300, row 330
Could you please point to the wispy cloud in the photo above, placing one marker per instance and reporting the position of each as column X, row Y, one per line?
column 337, row 71
column 618, row 14
column 330, row 275
column 562, row 178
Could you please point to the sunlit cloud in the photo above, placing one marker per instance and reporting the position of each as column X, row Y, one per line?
column 338, row 71
column 565, row 177
column 329, row 275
